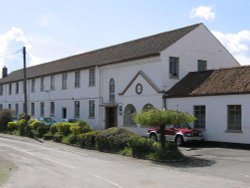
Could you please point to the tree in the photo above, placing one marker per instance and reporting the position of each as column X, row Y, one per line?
column 160, row 118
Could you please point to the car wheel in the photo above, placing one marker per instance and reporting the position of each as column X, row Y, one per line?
column 153, row 137
column 179, row 140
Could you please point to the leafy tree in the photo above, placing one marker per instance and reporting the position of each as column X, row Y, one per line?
column 5, row 117
column 160, row 118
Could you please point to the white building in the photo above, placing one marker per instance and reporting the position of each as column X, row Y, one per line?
column 106, row 86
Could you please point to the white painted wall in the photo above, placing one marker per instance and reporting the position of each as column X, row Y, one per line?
column 216, row 115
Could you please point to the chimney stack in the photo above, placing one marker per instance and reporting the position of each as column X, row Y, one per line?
column 4, row 72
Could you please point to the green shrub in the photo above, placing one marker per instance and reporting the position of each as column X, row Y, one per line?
column 12, row 126
column 63, row 127
column 31, row 121
column 127, row 151
column 88, row 140
column 113, row 139
column 69, row 139
column 5, row 118
column 41, row 131
column 21, row 127
column 36, row 124
column 84, row 126
column 22, row 116
column 141, row 147
column 75, row 129
column 53, row 128
column 58, row 137
column 48, row 136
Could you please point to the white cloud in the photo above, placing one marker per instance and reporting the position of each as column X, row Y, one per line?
column 237, row 43
column 12, row 41
column 204, row 12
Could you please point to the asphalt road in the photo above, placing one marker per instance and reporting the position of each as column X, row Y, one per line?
column 43, row 165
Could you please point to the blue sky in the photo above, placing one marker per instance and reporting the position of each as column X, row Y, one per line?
column 53, row 29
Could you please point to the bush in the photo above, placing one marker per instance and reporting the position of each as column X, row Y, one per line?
column 84, row 126
column 36, row 124
column 70, row 139
column 63, row 127
column 48, row 136
column 58, row 137
column 113, row 139
column 53, row 128
column 141, row 147
column 12, row 126
column 5, row 118
column 88, row 140
column 21, row 127
column 22, row 116
column 75, row 129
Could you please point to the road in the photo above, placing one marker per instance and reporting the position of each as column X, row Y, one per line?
column 52, row 165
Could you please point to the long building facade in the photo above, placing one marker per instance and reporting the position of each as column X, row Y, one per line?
column 106, row 87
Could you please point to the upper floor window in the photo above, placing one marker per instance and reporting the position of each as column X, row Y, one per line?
column 234, row 117
column 17, row 87
column 33, row 85
column 173, row 67
column 77, row 79
column 200, row 114
column 10, row 88
column 64, row 81
column 92, row 77
column 202, row 65
column 112, row 90
column 42, row 84
column 1, row 89
column 52, row 82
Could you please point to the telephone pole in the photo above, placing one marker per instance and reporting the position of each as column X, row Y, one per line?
column 25, row 85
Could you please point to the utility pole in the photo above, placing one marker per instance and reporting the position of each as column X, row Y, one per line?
column 25, row 86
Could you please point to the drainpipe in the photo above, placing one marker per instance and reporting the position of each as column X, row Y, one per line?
column 164, row 100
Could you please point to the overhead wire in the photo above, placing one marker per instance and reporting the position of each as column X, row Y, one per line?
column 10, row 54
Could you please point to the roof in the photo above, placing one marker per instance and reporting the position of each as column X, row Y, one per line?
column 141, row 48
column 227, row 81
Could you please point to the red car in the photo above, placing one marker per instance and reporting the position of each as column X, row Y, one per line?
column 179, row 134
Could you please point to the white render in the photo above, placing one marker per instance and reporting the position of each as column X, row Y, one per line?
column 198, row 44
column 216, row 115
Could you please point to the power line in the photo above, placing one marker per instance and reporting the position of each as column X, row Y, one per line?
column 10, row 54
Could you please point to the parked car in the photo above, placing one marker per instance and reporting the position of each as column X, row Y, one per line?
column 47, row 120
column 70, row 120
column 179, row 134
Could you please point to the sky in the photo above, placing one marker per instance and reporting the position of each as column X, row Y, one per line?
column 54, row 29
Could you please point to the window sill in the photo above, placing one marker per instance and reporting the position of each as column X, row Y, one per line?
column 233, row 131
column 91, row 117
column 174, row 77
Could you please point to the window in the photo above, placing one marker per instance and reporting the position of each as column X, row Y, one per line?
column 17, row 87
column 173, row 67
column 147, row 107
column 32, row 109
column 200, row 114
column 9, row 106
column 202, row 65
column 91, row 109
column 33, row 84
column 16, row 110
column 77, row 109
column 128, row 115
column 112, row 90
column 42, row 109
column 92, row 77
column 1, row 106
column 52, row 109
column 1, row 89
column 52, row 82
column 42, row 84
column 10, row 88
column 234, row 117
column 77, row 79
column 64, row 81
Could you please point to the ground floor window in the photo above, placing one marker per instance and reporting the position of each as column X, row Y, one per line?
column 91, row 109
column 234, row 117
column 42, row 109
column 77, row 109
column 16, row 110
column 52, row 109
column 129, row 112
column 32, row 109
column 200, row 114
column 147, row 107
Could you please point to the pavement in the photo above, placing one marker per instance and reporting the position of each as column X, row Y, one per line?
column 49, row 164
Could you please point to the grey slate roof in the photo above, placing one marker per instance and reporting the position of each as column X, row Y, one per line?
column 140, row 48
column 227, row 81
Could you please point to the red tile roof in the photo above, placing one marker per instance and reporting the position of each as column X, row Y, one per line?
column 227, row 81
